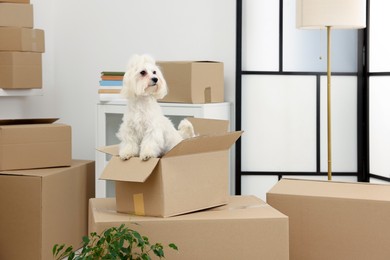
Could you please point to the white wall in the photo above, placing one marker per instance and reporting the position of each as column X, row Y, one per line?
column 86, row 37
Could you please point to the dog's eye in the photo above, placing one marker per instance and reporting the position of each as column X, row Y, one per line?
column 154, row 72
column 143, row 73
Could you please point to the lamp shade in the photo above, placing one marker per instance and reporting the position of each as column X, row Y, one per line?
column 341, row 14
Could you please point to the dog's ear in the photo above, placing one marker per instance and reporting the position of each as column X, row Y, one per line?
column 127, row 90
column 133, row 61
column 147, row 58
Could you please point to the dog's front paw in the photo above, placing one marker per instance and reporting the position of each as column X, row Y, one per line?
column 127, row 152
column 125, row 156
column 145, row 157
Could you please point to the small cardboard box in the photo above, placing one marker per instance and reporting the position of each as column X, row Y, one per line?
column 22, row 39
column 334, row 220
column 43, row 207
column 16, row 15
column 246, row 228
column 193, row 81
column 194, row 175
column 34, row 143
column 20, row 70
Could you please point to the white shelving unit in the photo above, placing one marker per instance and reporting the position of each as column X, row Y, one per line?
column 109, row 118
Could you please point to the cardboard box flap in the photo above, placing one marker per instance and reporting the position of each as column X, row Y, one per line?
column 209, row 126
column 206, row 61
column 333, row 189
column 132, row 170
column 203, row 144
column 41, row 172
column 187, row 61
column 111, row 149
column 27, row 121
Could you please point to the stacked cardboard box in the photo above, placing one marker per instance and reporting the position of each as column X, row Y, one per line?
column 21, row 46
column 183, row 198
column 193, row 81
column 245, row 228
column 43, row 192
column 334, row 220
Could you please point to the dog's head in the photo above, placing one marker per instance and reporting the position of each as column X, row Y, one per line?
column 143, row 78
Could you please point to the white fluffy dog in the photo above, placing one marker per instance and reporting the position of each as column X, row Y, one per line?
column 145, row 132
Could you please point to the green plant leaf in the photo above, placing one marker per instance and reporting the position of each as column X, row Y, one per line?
column 71, row 256
column 158, row 250
column 173, row 246
column 54, row 250
column 145, row 256
column 61, row 247
column 86, row 240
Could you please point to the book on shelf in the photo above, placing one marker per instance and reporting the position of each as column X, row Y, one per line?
column 112, row 73
column 109, row 91
column 107, row 83
column 109, row 77
column 110, row 85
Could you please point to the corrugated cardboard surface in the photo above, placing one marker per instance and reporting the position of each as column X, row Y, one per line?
column 20, row 70
column 245, row 228
column 193, row 81
column 35, row 146
column 209, row 127
column 22, row 39
column 42, row 207
column 194, row 175
column 334, row 220
column 16, row 15
column 15, row 1
column 179, row 185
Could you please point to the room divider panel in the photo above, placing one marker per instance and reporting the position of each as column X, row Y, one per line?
column 281, row 99
column 378, row 81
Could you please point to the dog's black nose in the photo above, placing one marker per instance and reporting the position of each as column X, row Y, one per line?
column 155, row 80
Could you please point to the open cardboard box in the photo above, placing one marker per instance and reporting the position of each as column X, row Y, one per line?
column 245, row 228
column 334, row 220
column 194, row 175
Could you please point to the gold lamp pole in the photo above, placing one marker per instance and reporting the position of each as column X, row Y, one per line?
column 343, row 14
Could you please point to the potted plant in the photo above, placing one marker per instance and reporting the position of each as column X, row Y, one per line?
column 113, row 243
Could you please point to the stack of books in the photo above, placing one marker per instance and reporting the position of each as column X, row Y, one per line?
column 110, row 85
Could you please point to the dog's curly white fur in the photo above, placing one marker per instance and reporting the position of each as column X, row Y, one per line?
column 145, row 132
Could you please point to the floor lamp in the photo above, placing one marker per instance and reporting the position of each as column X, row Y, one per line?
column 330, row 14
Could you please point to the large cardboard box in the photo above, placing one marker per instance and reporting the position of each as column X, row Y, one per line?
column 22, row 39
column 334, row 220
column 42, row 207
column 245, row 228
column 20, row 70
column 16, row 15
column 34, row 143
column 193, row 81
column 194, row 175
